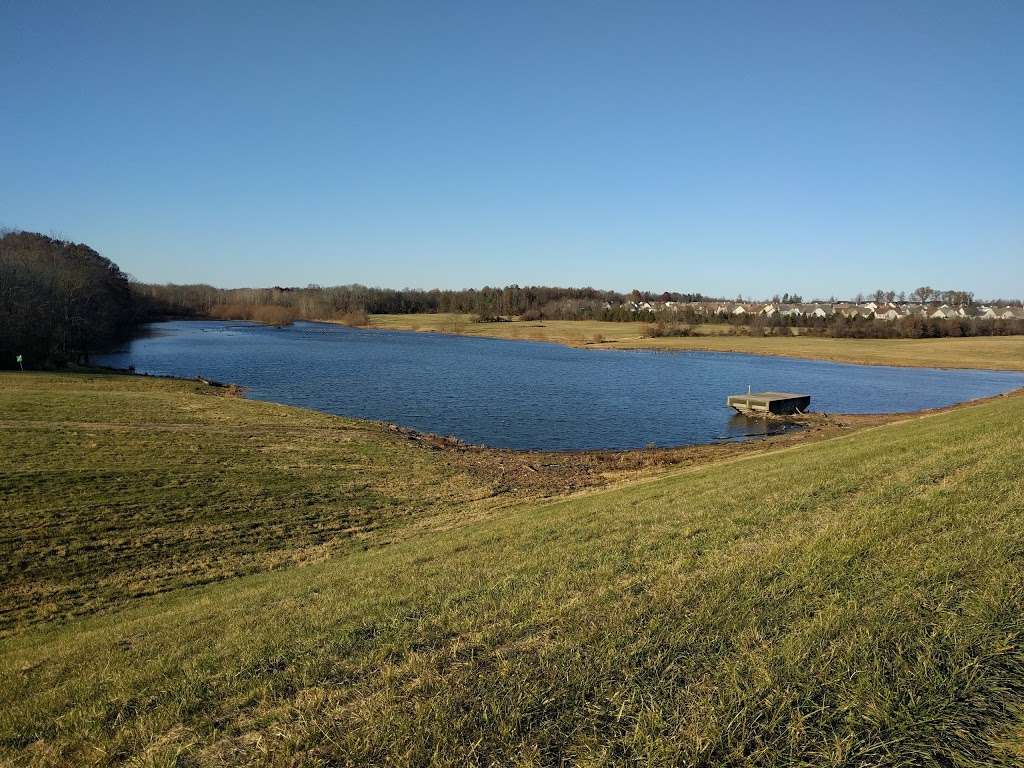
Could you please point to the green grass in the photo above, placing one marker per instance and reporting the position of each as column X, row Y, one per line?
column 995, row 352
column 117, row 487
column 858, row 601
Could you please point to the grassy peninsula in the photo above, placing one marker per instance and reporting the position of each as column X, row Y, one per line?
column 382, row 599
column 993, row 352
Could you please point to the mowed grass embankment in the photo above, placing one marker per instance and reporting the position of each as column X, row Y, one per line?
column 856, row 601
column 114, row 487
column 993, row 352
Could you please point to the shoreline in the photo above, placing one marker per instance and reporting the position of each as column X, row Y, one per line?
column 729, row 344
column 526, row 472
column 754, row 345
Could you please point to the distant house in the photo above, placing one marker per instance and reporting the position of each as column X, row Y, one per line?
column 814, row 310
column 738, row 310
column 887, row 313
column 768, row 310
column 848, row 310
column 945, row 312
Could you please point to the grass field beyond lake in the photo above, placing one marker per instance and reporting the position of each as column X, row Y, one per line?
column 854, row 601
column 994, row 352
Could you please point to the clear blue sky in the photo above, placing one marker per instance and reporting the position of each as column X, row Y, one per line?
column 819, row 147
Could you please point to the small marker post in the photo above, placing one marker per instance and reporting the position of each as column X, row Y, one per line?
column 20, row 364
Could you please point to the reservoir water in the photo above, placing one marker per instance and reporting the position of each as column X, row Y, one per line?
column 528, row 395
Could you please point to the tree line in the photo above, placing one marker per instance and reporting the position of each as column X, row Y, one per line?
column 912, row 327
column 836, row 325
column 59, row 301
column 929, row 295
column 352, row 301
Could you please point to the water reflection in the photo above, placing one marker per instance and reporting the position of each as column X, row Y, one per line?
column 740, row 427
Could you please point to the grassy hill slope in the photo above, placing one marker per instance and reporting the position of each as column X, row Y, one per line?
column 857, row 601
column 115, row 487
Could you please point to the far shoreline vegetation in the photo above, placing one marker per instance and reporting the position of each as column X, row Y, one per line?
column 61, row 302
column 926, row 313
column 977, row 352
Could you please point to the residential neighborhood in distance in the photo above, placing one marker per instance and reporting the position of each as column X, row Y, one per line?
column 868, row 310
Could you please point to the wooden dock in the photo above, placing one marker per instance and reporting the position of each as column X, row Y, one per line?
column 764, row 403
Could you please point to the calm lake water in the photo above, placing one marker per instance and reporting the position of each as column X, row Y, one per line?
column 528, row 395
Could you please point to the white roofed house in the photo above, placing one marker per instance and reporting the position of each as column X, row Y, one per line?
column 913, row 308
column 769, row 310
column 943, row 313
column 814, row 310
column 739, row 310
column 887, row 313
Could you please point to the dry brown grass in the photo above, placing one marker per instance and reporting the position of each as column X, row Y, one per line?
column 993, row 352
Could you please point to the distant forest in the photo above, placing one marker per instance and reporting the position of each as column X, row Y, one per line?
column 352, row 302
column 62, row 301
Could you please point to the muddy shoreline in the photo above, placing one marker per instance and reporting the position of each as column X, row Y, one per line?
column 552, row 473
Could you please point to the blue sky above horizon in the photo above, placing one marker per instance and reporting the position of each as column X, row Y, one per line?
column 742, row 147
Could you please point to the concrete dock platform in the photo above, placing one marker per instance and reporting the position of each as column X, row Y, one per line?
column 763, row 403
